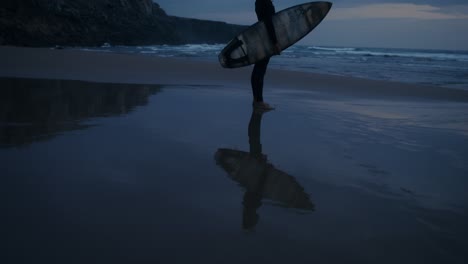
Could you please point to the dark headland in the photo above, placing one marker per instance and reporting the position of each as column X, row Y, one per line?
column 91, row 23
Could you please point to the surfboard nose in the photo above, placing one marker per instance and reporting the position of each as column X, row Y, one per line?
column 328, row 4
column 325, row 6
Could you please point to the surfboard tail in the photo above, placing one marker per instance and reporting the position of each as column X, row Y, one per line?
column 226, row 56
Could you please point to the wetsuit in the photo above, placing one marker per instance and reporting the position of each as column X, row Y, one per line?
column 265, row 11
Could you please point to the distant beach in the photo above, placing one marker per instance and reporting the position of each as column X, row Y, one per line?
column 70, row 64
column 443, row 68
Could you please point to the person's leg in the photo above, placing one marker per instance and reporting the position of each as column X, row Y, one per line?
column 258, row 75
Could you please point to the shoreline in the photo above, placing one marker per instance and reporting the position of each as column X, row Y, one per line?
column 47, row 63
column 93, row 159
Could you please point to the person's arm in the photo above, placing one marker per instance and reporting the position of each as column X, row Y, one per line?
column 271, row 29
column 265, row 11
column 272, row 33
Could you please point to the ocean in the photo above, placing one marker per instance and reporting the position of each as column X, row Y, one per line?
column 428, row 67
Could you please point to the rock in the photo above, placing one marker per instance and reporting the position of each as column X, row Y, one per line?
column 91, row 23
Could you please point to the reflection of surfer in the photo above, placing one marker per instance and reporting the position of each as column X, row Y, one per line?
column 260, row 178
column 253, row 197
column 265, row 11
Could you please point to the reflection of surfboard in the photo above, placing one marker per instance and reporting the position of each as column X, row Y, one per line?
column 256, row 175
column 290, row 25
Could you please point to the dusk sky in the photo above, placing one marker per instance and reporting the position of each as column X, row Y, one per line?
column 431, row 24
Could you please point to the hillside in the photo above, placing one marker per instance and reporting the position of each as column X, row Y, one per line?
column 91, row 23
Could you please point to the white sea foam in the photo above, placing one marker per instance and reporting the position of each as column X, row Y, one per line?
column 332, row 49
column 415, row 66
column 430, row 55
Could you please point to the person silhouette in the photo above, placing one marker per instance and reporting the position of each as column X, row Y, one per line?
column 265, row 11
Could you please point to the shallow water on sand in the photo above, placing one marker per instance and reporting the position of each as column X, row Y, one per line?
column 135, row 173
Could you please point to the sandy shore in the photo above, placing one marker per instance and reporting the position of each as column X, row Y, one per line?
column 119, row 158
column 45, row 63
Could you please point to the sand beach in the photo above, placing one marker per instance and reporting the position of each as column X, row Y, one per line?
column 123, row 158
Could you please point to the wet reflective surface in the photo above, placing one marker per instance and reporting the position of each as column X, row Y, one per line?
column 260, row 179
column 33, row 110
column 102, row 173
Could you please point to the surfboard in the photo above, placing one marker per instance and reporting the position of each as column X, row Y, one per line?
column 291, row 25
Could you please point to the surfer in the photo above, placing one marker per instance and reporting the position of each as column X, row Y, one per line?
column 265, row 11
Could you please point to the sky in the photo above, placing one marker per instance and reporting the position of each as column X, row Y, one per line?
column 418, row 24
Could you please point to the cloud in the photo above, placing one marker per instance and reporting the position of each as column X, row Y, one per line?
column 397, row 11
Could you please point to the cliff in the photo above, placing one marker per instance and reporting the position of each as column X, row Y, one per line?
column 92, row 23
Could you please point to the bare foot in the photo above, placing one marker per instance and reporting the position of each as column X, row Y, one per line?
column 262, row 106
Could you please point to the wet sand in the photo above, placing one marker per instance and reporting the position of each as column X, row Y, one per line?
column 128, row 68
column 179, row 169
